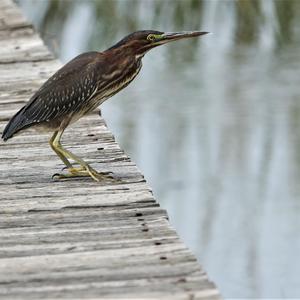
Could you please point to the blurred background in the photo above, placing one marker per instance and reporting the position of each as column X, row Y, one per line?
column 213, row 123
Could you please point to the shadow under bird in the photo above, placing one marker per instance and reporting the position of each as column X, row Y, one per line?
column 81, row 86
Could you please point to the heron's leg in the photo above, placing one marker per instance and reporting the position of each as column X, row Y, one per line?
column 59, row 154
column 84, row 170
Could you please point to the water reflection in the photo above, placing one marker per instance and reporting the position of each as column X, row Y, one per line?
column 213, row 123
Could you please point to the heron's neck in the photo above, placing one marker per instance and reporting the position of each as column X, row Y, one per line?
column 126, row 55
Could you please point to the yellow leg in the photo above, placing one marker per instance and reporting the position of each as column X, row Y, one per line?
column 64, row 154
column 60, row 155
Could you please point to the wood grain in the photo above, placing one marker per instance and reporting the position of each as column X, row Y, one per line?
column 78, row 238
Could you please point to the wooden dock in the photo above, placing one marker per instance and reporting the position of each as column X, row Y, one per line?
column 78, row 238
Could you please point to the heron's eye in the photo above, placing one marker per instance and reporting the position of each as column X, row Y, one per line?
column 151, row 37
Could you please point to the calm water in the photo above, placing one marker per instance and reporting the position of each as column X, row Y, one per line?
column 214, row 124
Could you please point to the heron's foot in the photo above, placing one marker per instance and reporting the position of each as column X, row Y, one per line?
column 74, row 170
column 98, row 176
column 86, row 171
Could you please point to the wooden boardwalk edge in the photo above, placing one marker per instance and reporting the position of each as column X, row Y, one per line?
column 78, row 239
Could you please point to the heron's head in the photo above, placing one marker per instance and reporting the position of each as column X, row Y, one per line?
column 142, row 41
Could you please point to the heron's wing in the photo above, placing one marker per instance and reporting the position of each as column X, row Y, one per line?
column 65, row 91
column 60, row 95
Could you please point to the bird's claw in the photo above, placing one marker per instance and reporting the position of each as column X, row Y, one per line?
column 106, row 176
column 55, row 175
column 86, row 172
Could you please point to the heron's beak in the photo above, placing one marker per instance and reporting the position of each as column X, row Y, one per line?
column 174, row 36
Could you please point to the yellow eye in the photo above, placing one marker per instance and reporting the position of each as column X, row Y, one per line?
column 151, row 37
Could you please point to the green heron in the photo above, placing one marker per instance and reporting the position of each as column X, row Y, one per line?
column 81, row 86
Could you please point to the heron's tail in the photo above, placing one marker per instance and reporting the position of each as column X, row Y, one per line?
column 15, row 124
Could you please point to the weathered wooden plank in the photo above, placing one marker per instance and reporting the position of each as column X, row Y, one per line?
column 78, row 238
column 10, row 17
column 23, row 50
